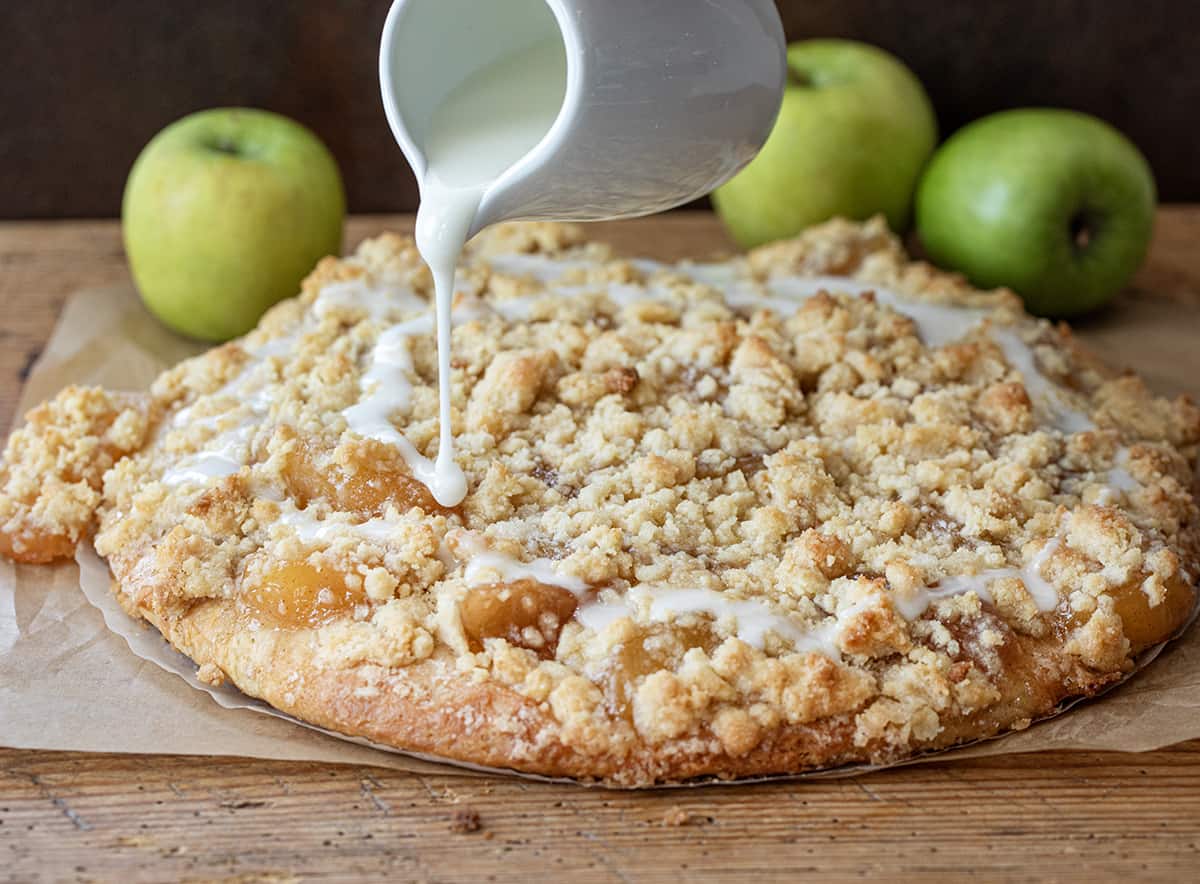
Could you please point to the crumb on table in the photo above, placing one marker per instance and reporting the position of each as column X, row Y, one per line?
column 464, row 821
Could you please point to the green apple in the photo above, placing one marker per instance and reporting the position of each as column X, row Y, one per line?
column 853, row 134
column 224, row 213
column 1054, row 204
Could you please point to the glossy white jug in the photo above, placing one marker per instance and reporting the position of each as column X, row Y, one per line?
column 664, row 99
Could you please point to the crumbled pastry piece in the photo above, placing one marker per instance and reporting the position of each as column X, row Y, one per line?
column 464, row 821
column 676, row 816
column 211, row 674
column 50, row 483
column 813, row 506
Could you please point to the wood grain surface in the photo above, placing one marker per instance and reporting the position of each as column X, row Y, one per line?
column 1051, row 816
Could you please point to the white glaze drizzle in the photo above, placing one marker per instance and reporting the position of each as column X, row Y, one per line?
column 376, row 300
column 386, row 388
column 937, row 324
column 385, row 385
column 1043, row 593
column 240, row 387
column 1119, row 477
column 310, row 530
column 753, row 619
column 1045, row 393
column 485, row 567
column 479, row 131
column 280, row 346
column 539, row 267
column 224, row 455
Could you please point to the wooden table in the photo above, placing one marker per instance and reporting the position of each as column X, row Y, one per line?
column 70, row 816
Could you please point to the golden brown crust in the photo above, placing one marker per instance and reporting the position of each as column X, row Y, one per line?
column 432, row 709
column 815, row 506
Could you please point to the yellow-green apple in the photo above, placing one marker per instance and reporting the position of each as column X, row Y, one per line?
column 1054, row 204
column 853, row 133
column 224, row 213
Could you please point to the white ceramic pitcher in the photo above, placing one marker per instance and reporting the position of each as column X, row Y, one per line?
column 664, row 99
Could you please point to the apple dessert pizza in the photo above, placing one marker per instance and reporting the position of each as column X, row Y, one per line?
column 815, row 505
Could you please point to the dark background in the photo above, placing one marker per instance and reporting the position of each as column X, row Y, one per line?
column 85, row 83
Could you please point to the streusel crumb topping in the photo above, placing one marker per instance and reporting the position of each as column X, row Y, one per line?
column 818, row 483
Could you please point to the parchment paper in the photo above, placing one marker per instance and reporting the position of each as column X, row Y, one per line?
column 68, row 681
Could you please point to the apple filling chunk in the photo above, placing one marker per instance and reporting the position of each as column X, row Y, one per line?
column 35, row 548
column 299, row 595
column 1143, row 622
column 650, row 649
column 373, row 477
column 525, row 613
column 1146, row 623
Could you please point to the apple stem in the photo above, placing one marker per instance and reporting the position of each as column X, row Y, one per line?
column 800, row 78
column 1082, row 231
